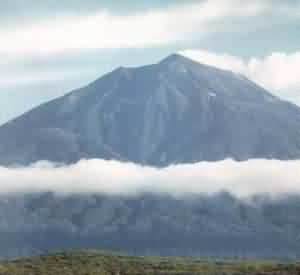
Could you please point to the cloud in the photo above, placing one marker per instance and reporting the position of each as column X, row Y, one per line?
column 279, row 72
column 10, row 80
column 105, row 30
column 242, row 179
column 33, row 10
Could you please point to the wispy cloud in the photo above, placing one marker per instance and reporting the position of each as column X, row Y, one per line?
column 242, row 179
column 278, row 72
column 105, row 30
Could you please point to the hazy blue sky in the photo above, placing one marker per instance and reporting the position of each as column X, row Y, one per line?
column 49, row 47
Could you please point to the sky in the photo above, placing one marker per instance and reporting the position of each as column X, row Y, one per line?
column 48, row 48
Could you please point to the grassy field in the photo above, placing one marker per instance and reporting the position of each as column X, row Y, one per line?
column 96, row 262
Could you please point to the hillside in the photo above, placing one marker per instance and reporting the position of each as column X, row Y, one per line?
column 205, row 226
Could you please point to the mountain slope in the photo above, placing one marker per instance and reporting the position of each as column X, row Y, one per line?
column 171, row 112
column 207, row 226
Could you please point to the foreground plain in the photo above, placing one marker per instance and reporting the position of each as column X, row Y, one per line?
column 97, row 262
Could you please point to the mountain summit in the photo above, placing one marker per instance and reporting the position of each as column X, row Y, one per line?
column 175, row 111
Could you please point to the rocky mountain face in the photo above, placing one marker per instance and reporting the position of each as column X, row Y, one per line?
column 176, row 111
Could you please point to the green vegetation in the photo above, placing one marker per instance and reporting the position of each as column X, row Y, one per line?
column 97, row 262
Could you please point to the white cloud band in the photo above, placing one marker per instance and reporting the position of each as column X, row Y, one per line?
column 241, row 179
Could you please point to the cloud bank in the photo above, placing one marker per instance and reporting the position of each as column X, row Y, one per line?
column 241, row 179
column 102, row 30
column 278, row 72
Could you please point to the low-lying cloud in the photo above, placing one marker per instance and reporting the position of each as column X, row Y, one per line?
column 241, row 179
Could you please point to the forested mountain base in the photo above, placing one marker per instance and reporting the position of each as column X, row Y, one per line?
column 202, row 226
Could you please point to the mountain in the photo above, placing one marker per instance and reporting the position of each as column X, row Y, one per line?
column 175, row 111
